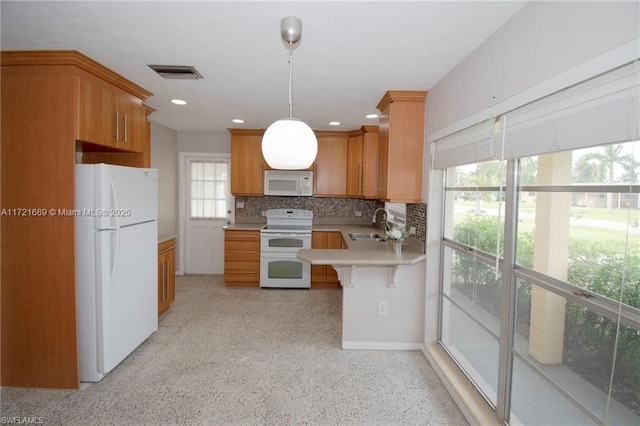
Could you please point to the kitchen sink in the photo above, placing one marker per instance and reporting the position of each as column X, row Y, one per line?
column 365, row 236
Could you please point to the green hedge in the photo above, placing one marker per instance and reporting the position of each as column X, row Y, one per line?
column 590, row 338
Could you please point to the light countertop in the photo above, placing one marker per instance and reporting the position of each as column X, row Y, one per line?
column 244, row 226
column 166, row 237
column 363, row 253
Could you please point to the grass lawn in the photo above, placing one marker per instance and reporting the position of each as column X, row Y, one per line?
column 610, row 237
column 599, row 213
column 616, row 215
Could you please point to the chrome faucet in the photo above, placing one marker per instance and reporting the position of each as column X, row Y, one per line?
column 384, row 219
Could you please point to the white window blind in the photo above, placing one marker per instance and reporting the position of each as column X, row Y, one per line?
column 604, row 109
column 474, row 144
column 598, row 111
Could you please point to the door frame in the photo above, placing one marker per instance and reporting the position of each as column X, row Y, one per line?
column 183, row 158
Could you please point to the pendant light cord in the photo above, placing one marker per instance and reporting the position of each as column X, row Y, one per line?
column 290, row 78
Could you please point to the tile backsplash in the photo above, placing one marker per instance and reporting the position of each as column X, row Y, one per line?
column 417, row 217
column 328, row 210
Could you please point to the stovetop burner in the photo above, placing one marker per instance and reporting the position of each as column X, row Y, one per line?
column 288, row 220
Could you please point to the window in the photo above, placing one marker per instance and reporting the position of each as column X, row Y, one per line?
column 575, row 280
column 471, row 289
column 397, row 213
column 208, row 189
column 540, row 255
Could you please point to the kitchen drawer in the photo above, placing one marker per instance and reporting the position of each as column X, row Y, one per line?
column 232, row 235
column 248, row 272
column 241, row 251
column 167, row 245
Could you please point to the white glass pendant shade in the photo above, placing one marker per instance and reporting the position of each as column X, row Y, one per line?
column 289, row 144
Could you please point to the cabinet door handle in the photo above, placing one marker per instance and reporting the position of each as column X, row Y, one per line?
column 126, row 129
column 375, row 181
column 164, row 282
column 117, row 126
column 360, row 180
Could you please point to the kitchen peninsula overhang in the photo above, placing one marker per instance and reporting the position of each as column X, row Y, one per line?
column 359, row 254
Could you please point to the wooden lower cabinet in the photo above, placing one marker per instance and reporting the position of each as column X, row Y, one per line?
column 324, row 276
column 241, row 258
column 166, row 275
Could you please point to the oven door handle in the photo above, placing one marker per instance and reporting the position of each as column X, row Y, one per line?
column 286, row 234
column 274, row 255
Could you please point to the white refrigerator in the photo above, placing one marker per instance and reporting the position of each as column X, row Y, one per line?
column 116, row 263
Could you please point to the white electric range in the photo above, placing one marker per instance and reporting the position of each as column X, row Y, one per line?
column 286, row 232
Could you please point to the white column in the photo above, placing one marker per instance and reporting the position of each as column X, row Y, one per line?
column 551, row 253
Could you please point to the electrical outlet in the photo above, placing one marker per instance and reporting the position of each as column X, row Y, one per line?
column 239, row 204
column 358, row 213
column 412, row 230
column 382, row 308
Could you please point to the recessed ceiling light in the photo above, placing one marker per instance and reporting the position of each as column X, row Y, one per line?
column 178, row 102
column 238, row 121
column 334, row 123
column 371, row 116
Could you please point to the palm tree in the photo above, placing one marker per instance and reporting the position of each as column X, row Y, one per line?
column 606, row 161
column 485, row 174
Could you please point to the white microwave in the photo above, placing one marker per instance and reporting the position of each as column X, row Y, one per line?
column 288, row 183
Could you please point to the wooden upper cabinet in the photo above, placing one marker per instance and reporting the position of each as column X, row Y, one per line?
column 362, row 163
column 130, row 122
column 247, row 162
column 330, row 167
column 355, row 164
column 401, row 133
column 111, row 117
column 109, row 109
column 95, row 122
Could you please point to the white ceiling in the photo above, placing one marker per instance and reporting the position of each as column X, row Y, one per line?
column 350, row 54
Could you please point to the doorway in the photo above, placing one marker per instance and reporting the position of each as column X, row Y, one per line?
column 206, row 206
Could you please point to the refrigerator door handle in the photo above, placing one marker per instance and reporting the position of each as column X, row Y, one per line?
column 115, row 249
column 114, row 219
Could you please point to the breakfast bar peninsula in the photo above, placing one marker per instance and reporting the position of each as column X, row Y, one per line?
column 383, row 293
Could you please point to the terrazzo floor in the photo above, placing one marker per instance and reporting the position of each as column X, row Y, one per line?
column 236, row 356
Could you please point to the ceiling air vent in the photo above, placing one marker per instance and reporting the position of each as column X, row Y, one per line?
column 180, row 72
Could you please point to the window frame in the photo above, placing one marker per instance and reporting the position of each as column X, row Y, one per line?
column 511, row 272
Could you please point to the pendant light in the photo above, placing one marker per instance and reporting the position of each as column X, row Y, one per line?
column 289, row 143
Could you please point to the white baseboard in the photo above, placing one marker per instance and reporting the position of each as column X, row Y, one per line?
column 384, row 346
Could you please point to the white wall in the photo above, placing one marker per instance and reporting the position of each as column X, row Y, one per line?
column 164, row 157
column 400, row 327
column 204, row 142
column 538, row 43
